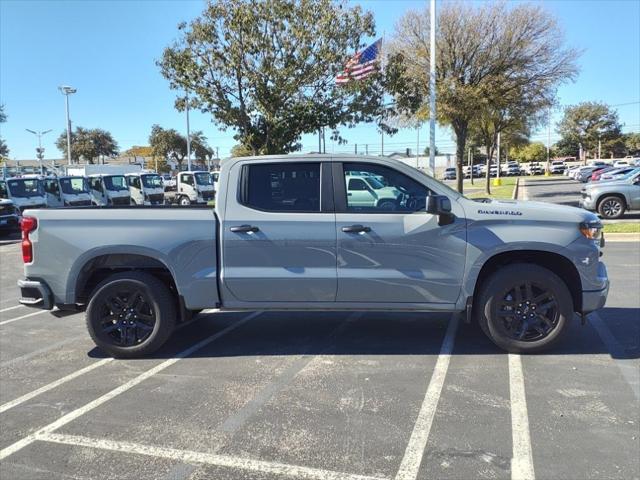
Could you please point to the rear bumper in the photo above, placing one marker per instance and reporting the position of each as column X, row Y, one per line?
column 595, row 299
column 36, row 294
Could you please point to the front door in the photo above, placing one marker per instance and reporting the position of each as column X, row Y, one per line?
column 279, row 241
column 52, row 191
column 392, row 251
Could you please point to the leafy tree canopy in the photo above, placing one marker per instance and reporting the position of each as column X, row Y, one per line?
column 168, row 144
column 588, row 122
column 200, row 148
column 496, row 63
column 267, row 69
column 88, row 144
column 533, row 152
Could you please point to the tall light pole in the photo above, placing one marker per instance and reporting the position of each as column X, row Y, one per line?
column 40, row 151
column 66, row 90
column 188, row 137
column 432, row 90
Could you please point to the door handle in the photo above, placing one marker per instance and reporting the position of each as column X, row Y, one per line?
column 244, row 229
column 356, row 229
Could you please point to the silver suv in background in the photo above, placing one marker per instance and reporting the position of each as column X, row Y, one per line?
column 611, row 199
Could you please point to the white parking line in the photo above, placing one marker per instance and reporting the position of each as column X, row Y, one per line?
column 52, row 385
column 522, row 457
column 4, row 322
column 69, row 417
column 274, row 468
column 11, row 308
column 414, row 452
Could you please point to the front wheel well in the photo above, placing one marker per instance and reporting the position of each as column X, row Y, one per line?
column 558, row 264
column 606, row 195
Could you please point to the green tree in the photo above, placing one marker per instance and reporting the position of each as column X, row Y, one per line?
column 267, row 69
column 4, row 149
column 587, row 123
column 491, row 58
column 200, row 148
column 533, row 152
column 632, row 143
column 88, row 144
column 168, row 144
column 240, row 150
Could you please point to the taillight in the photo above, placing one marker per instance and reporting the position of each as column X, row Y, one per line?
column 27, row 225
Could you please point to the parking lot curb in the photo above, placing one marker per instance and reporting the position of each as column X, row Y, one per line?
column 514, row 196
column 622, row 237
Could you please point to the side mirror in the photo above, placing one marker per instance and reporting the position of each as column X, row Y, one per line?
column 438, row 205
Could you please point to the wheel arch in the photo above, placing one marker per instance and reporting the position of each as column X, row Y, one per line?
column 555, row 262
column 612, row 194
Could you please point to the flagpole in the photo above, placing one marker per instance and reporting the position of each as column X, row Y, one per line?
column 432, row 90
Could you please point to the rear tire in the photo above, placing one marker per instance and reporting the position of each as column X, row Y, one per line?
column 524, row 308
column 131, row 314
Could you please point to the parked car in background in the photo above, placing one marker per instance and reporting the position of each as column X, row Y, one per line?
column 616, row 173
column 23, row 192
column 109, row 190
column 145, row 188
column 468, row 170
column 449, row 173
column 534, row 168
column 621, row 163
column 512, row 169
column 369, row 192
column 285, row 234
column 192, row 188
column 570, row 170
column 585, row 175
column 67, row 191
column 613, row 198
column 9, row 216
column 557, row 167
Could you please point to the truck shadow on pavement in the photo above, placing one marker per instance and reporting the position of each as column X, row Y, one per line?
column 317, row 333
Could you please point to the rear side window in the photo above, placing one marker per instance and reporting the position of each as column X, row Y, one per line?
column 281, row 187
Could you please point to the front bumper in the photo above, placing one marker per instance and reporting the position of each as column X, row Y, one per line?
column 595, row 299
column 587, row 203
column 36, row 294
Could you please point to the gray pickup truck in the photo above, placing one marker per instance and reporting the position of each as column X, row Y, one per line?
column 286, row 235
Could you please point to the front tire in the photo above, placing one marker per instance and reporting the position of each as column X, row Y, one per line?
column 524, row 308
column 131, row 314
column 611, row 207
column 184, row 201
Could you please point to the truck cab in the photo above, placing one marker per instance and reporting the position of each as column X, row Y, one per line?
column 145, row 188
column 109, row 190
column 194, row 188
column 24, row 192
column 68, row 191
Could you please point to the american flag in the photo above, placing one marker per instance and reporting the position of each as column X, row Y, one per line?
column 362, row 64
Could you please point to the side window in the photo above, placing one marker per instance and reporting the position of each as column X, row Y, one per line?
column 281, row 187
column 134, row 182
column 379, row 189
column 51, row 186
column 95, row 184
column 188, row 179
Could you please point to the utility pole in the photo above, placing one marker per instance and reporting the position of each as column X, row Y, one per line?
column 498, row 181
column 382, row 143
column 548, row 169
column 356, row 150
column 39, row 150
column 366, row 148
column 432, row 91
column 324, row 142
column 470, row 166
column 599, row 149
column 319, row 140
column 188, row 137
column 66, row 91
column 418, row 146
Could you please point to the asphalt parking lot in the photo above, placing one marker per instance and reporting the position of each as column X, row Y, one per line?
column 321, row 395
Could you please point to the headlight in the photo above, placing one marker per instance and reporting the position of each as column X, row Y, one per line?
column 591, row 230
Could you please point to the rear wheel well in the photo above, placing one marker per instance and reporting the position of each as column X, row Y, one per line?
column 558, row 264
column 99, row 268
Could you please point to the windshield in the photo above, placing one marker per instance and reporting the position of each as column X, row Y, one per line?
column 115, row 183
column 152, row 181
column 74, row 185
column 203, row 178
column 375, row 183
column 25, row 187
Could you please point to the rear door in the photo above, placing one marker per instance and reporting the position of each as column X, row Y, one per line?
column 279, row 240
column 393, row 251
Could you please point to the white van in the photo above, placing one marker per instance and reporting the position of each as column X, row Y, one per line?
column 68, row 191
column 145, row 188
column 24, row 192
column 109, row 190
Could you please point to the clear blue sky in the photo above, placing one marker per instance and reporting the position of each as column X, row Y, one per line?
column 107, row 50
